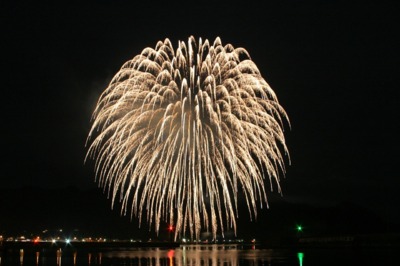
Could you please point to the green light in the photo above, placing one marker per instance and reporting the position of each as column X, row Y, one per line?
column 299, row 228
column 300, row 256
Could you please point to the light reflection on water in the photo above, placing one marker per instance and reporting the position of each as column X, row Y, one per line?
column 190, row 255
column 207, row 255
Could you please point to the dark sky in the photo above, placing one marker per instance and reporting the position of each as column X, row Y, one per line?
column 334, row 66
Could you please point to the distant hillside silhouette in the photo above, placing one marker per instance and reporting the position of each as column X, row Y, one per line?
column 31, row 210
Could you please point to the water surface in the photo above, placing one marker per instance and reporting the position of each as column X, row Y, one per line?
column 199, row 255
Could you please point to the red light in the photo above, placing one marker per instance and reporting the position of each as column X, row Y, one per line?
column 171, row 253
column 171, row 228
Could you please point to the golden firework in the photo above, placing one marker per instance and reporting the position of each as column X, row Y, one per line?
column 178, row 134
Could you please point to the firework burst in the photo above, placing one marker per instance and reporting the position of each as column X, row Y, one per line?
column 178, row 134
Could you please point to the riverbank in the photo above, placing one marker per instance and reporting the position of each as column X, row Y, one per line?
column 98, row 246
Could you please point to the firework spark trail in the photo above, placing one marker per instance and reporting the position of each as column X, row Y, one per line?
column 178, row 134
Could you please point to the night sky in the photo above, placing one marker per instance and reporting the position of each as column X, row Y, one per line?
column 334, row 66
